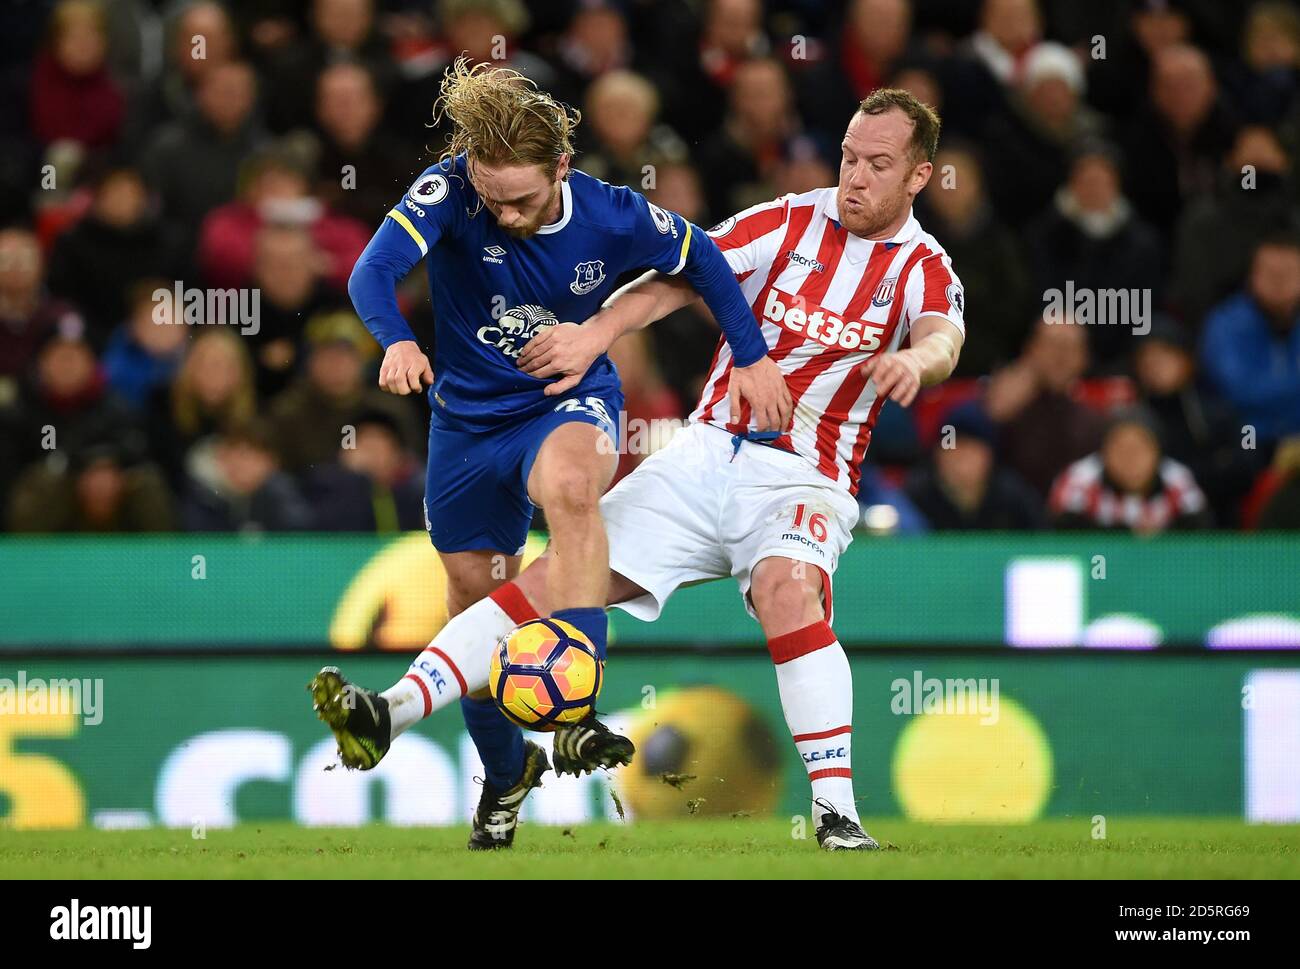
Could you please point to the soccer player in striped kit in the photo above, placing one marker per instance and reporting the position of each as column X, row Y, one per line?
column 858, row 305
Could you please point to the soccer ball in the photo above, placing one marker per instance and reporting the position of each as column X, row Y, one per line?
column 545, row 674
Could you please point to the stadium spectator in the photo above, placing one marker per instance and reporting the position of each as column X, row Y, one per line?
column 999, row 301
column 1090, row 236
column 885, row 508
column 376, row 485
column 1265, row 82
column 244, row 490
column 28, row 314
column 1129, row 484
column 488, row 30
column 213, row 391
column 738, row 162
column 990, row 63
column 156, row 108
column 1041, row 428
column 1030, row 144
column 919, row 79
column 1218, row 231
column 1281, row 509
column 193, row 162
column 872, row 41
column 1179, row 136
column 485, row 31
column 118, row 242
column 145, row 351
column 308, row 418
column 624, row 141
column 67, row 405
column 1250, row 348
column 199, row 38
column 805, row 164
column 276, row 194
column 101, row 490
column 677, row 187
column 287, row 274
column 342, row 31
column 73, row 95
column 1150, row 27
column 362, row 168
column 594, row 42
column 962, row 487
column 1198, row 429
column 696, row 72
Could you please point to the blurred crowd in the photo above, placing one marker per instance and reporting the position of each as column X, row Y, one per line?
column 1143, row 146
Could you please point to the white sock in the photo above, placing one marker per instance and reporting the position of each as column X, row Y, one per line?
column 816, row 687
column 455, row 664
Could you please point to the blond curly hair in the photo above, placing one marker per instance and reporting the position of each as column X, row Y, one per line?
column 499, row 117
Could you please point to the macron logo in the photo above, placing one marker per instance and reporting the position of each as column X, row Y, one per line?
column 803, row 260
column 132, row 923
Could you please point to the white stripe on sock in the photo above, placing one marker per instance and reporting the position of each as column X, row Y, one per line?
column 467, row 641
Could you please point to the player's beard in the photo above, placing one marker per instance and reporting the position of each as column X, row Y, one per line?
column 530, row 229
column 871, row 220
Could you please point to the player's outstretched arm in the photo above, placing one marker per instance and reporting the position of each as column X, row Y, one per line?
column 930, row 360
column 569, row 350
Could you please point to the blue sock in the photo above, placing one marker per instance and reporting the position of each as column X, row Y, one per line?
column 500, row 743
column 593, row 623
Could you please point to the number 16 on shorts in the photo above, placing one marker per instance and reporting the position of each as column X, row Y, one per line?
column 814, row 524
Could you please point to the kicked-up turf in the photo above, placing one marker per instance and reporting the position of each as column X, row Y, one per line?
column 739, row 848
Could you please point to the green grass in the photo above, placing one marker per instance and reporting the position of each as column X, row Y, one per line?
column 685, row 849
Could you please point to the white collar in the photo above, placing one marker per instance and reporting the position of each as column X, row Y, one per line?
column 566, row 211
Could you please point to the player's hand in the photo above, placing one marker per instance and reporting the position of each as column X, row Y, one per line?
column 405, row 369
column 567, row 350
column 763, row 386
column 897, row 375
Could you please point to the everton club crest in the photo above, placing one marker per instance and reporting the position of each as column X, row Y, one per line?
column 589, row 275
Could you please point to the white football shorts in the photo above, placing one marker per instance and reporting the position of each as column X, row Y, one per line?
column 698, row 510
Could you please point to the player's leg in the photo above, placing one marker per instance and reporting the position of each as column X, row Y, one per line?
column 785, row 546
column 660, row 522
column 573, row 466
column 435, row 679
column 816, row 689
column 471, row 576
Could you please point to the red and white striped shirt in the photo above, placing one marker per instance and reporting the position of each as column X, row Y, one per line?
column 827, row 300
column 1084, row 492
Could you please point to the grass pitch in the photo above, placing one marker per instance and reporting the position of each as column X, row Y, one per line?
column 741, row 848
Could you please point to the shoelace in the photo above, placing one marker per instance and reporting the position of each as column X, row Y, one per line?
column 830, row 816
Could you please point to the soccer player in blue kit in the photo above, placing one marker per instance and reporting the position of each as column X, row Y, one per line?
column 550, row 247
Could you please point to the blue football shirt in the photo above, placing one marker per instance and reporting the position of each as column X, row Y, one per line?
column 477, row 272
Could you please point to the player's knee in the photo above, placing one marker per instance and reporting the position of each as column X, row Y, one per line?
column 465, row 590
column 570, row 492
column 782, row 593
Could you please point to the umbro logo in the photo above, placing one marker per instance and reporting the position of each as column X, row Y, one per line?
column 494, row 254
